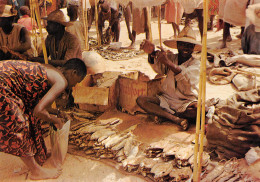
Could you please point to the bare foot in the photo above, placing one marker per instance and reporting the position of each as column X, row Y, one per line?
column 45, row 173
column 184, row 124
column 239, row 36
column 223, row 45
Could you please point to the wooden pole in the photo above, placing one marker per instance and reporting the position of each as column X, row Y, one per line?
column 149, row 23
column 96, row 17
column 37, row 13
column 200, row 123
column 33, row 34
column 159, row 25
column 85, row 23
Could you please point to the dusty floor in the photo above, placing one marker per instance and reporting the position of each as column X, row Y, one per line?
column 77, row 168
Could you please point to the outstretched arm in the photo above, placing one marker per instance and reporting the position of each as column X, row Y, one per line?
column 59, row 83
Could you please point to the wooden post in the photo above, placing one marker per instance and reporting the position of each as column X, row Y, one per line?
column 85, row 23
column 159, row 25
column 96, row 17
column 149, row 23
column 200, row 123
column 37, row 13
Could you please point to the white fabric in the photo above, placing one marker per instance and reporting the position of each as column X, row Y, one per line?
column 190, row 5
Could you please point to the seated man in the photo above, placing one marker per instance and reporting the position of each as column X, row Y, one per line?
column 178, row 99
column 14, row 39
column 60, row 44
column 251, row 38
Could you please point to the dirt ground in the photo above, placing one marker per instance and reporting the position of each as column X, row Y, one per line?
column 78, row 168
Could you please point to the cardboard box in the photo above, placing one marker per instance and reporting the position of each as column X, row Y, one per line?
column 133, row 85
column 97, row 93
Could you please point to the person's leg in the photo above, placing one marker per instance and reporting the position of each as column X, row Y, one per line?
column 152, row 106
column 38, row 172
column 200, row 20
column 176, row 29
column 226, row 35
column 241, row 33
column 210, row 23
column 116, row 31
column 91, row 16
column 146, row 28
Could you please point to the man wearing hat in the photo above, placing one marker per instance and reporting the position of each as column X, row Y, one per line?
column 60, row 44
column 178, row 100
column 250, row 41
column 14, row 38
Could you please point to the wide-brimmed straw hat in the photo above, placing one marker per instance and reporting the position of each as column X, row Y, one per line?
column 186, row 35
column 253, row 14
column 58, row 17
column 7, row 11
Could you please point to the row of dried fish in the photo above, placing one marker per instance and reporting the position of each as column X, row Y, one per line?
column 168, row 163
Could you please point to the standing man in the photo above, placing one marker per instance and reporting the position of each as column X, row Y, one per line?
column 178, row 100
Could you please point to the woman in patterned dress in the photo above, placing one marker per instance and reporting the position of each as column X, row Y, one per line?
column 27, row 89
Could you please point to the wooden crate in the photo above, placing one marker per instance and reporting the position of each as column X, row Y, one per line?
column 93, row 98
column 133, row 85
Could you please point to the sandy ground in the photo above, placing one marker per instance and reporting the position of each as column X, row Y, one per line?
column 77, row 168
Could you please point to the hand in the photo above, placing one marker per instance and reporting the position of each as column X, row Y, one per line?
column 60, row 123
column 161, row 56
column 147, row 46
column 64, row 115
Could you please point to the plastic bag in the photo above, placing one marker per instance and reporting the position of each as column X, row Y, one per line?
column 59, row 144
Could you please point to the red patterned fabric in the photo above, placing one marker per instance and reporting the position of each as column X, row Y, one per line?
column 213, row 7
column 22, row 85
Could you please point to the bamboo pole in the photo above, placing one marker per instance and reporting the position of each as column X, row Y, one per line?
column 37, row 13
column 159, row 25
column 200, row 123
column 96, row 19
column 85, row 24
column 33, row 34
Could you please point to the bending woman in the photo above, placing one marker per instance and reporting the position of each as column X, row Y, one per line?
column 27, row 89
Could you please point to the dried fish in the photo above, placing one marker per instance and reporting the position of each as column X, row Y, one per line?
column 217, row 171
column 106, row 156
column 115, row 140
column 119, row 145
column 99, row 133
column 204, row 162
column 89, row 152
column 161, row 169
column 180, row 174
column 132, row 163
column 183, row 154
column 90, row 129
column 146, row 165
column 111, row 121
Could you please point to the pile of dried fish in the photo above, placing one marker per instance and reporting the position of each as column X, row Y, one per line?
column 115, row 55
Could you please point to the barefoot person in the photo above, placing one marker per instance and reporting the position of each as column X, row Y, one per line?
column 27, row 89
column 178, row 100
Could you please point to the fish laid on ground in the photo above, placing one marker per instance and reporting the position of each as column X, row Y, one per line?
column 111, row 121
column 119, row 146
column 131, row 164
column 116, row 140
column 180, row 174
column 146, row 165
column 99, row 133
column 161, row 169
